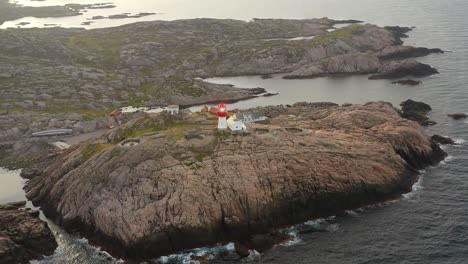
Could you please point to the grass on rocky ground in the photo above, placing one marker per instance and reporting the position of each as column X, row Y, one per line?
column 93, row 149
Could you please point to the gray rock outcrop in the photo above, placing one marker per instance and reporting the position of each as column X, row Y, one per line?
column 23, row 236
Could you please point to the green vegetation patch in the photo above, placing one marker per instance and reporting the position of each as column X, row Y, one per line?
column 94, row 149
column 202, row 153
column 342, row 33
column 88, row 114
column 107, row 47
column 171, row 126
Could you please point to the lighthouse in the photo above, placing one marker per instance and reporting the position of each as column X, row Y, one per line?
column 222, row 114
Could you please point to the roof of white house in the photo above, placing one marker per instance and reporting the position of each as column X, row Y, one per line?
column 235, row 124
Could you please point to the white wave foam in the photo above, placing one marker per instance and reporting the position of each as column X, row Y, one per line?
column 459, row 141
column 187, row 257
column 351, row 213
column 254, row 255
column 230, row 247
column 333, row 228
column 415, row 189
column 296, row 239
column 447, row 160
column 316, row 223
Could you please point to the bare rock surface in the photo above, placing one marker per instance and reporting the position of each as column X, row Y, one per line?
column 417, row 111
column 174, row 190
column 23, row 236
column 404, row 52
column 443, row 140
column 405, row 68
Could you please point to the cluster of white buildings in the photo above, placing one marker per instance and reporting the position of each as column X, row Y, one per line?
column 170, row 109
column 235, row 122
column 238, row 121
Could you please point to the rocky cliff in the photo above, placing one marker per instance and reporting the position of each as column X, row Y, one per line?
column 162, row 184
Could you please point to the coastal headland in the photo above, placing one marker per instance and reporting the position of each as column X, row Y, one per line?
column 185, row 185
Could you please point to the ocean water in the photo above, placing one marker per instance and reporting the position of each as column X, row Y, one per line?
column 11, row 186
column 428, row 225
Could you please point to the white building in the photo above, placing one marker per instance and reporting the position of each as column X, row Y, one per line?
column 235, row 124
column 131, row 109
column 172, row 109
column 250, row 117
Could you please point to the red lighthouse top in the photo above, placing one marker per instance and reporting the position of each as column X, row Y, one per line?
column 222, row 110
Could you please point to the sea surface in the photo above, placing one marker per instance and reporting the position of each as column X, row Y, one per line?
column 428, row 225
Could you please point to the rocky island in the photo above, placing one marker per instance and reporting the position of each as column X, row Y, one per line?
column 183, row 184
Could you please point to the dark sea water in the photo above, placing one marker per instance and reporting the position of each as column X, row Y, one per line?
column 428, row 225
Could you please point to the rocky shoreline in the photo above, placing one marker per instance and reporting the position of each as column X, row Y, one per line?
column 185, row 180
column 23, row 236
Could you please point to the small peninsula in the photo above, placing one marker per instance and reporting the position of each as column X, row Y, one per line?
column 183, row 184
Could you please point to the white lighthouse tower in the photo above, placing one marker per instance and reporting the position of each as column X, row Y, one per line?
column 222, row 114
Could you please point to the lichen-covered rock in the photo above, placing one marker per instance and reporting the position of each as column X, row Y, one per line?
column 23, row 236
column 172, row 191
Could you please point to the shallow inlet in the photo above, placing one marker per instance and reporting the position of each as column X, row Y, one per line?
column 11, row 187
column 349, row 89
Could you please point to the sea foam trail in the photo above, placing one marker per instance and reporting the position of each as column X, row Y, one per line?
column 294, row 233
column 75, row 250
